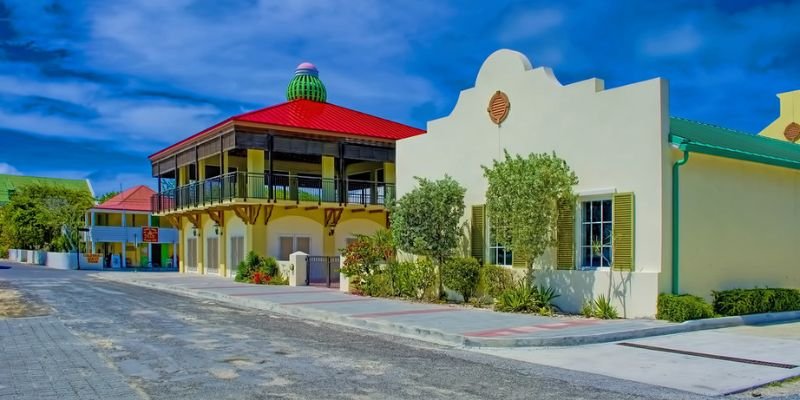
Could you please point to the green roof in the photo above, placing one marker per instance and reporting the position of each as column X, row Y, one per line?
column 11, row 183
column 704, row 138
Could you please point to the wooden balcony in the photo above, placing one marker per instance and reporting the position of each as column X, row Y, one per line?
column 243, row 187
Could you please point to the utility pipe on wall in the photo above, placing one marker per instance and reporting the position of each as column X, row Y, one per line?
column 676, row 200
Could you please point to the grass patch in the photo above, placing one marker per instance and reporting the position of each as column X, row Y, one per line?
column 784, row 382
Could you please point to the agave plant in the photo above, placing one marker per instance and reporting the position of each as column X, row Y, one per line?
column 604, row 309
column 546, row 297
column 524, row 297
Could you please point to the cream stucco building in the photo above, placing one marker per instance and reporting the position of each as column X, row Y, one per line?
column 732, row 200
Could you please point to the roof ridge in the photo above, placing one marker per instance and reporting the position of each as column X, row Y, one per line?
column 694, row 121
column 729, row 130
column 263, row 109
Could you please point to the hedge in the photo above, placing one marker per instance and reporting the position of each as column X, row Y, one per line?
column 753, row 301
column 679, row 308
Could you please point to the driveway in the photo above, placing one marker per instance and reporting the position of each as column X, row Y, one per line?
column 713, row 362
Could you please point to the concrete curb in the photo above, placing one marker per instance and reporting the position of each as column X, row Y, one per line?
column 437, row 336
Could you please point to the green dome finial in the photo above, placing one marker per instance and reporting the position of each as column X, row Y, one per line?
column 306, row 84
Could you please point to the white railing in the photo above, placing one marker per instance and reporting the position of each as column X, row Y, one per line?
column 118, row 234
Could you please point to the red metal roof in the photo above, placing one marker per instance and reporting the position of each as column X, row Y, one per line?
column 134, row 199
column 321, row 117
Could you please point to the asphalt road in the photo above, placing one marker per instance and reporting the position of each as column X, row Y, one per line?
column 173, row 347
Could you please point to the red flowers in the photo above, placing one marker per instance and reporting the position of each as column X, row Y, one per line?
column 261, row 278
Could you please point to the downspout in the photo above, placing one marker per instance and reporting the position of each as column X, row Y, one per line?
column 676, row 205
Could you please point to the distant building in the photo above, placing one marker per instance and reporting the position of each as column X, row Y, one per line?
column 9, row 184
column 124, row 233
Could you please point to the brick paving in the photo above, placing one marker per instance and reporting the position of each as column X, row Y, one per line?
column 41, row 359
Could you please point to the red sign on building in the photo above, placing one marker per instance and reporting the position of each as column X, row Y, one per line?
column 149, row 234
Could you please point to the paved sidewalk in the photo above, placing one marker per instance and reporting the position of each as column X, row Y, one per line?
column 41, row 359
column 449, row 324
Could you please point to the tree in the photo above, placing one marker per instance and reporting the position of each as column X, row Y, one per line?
column 522, row 202
column 425, row 221
column 37, row 215
column 102, row 199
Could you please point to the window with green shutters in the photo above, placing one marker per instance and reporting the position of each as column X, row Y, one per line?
column 565, row 236
column 623, row 232
column 605, row 233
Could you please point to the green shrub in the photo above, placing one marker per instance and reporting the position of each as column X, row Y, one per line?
column 278, row 279
column 523, row 297
column 587, row 308
column 603, row 308
column 461, row 275
column 3, row 252
column 684, row 307
column 252, row 264
column 412, row 279
column 753, row 301
column 494, row 280
column 245, row 269
column 365, row 254
column 377, row 284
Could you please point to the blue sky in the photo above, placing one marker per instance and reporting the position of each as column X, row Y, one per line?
column 89, row 89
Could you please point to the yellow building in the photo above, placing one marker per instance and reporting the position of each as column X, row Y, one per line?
column 304, row 175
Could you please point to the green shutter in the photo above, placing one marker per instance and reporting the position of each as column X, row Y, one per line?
column 623, row 232
column 565, row 249
column 478, row 232
column 518, row 262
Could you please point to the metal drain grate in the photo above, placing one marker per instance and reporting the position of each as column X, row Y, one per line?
column 711, row 356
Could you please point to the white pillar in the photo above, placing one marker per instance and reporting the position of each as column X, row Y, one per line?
column 93, row 222
column 123, row 260
column 299, row 261
column 344, row 282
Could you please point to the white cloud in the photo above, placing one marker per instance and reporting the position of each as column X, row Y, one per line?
column 682, row 40
column 531, row 23
column 359, row 50
column 252, row 62
column 8, row 169
column 121, row 182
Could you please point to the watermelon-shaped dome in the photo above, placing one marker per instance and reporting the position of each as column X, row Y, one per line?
column 306, row 84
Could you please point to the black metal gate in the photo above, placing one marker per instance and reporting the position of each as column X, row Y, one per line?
column 322, row 271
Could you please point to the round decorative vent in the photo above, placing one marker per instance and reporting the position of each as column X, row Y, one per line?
column 498, row 107
column 792, row 132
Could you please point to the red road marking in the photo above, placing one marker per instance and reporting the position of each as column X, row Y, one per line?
column 326, row 301
column 404, row 312
column 528, row 329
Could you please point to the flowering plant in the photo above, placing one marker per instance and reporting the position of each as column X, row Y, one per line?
column 260, row 278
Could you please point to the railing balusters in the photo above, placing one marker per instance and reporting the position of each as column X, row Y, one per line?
column 296, row 188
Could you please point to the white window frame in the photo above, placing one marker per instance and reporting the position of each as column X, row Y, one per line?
column 491, row 246
column 582, row 202
column 294, row 242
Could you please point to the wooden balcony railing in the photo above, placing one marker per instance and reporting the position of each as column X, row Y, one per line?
column 241, row 186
